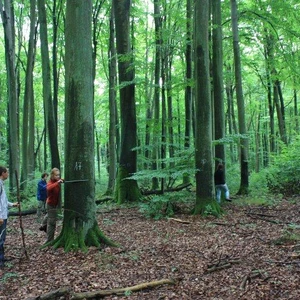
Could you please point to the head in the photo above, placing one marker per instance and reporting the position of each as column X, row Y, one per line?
column 55, row 174
column 3, row 173
column 45, row 176
column 220, row 166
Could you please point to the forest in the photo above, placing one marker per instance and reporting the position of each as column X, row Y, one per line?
column 137, row 102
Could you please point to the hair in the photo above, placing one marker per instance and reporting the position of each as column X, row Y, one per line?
column 220, row 166
column 44, row 175
column 53, row 171
column 2, row 170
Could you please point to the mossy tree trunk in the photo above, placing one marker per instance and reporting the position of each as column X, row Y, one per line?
column 80, row 229
column 203, row 108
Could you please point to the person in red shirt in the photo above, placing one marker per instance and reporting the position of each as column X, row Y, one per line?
column 52, row 202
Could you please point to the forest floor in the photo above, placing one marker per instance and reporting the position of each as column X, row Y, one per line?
column 251, row 252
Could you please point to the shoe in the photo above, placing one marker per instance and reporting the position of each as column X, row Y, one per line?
column 229, row 200
column 43, row 228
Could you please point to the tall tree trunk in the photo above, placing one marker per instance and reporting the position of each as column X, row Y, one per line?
column 203, row 137
column 127, row 188
column 80, row 228
column 279, row 104
column 7, row 13
column 188, row 89
column 51, row 121
column 219, row 115
column 244, row 183
column 28, row 105
column 157, row 72
column 112, row 107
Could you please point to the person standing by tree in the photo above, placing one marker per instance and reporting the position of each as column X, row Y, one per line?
column 4, row 204
column 220, row 183
column 42, row 195
column 52, row 203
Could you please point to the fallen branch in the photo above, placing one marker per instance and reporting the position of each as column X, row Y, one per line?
column 120, row 291
column 180, row 221
column 248, row 278
column 283, row 262
column 160, row 192
column 64, row 291
column 22, row 213
column 256, row 216
column 221, row 265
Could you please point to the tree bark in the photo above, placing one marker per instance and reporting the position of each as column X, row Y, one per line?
column 244, row 176
column 50, row 120
column 203, row 137
column 217, row 61
column 80, row 229
column 28, row 105
column 7, row 13
column 127, row 189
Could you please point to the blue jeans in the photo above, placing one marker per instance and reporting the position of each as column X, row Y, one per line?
column 2, row 240
column 219, row 189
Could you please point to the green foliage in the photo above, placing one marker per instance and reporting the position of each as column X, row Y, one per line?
column 182, row 164
column 166, row 205
column 208, row 210
column 283, row 176
column 7, row 276
column 258, row 184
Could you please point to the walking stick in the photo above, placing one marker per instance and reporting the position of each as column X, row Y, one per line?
column 20, row 214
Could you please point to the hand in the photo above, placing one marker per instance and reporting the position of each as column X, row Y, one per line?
column 61, row 180
column 1, row 221
column 16, row 204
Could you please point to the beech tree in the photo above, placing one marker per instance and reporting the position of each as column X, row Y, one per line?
column 127, row 188
column 203, row 109
column 7, row 14
column 80, row 227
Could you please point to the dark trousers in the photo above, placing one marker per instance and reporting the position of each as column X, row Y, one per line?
column 2, row 240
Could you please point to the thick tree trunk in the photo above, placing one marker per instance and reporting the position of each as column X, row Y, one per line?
column 203, row 137
column 127, row 189
column 80, row 229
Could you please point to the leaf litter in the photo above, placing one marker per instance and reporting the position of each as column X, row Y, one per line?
column 248, row 253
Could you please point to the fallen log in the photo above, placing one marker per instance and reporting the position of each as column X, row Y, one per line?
column 160, row 192
column 120, row 291
column 23, row 213
column 64, row 291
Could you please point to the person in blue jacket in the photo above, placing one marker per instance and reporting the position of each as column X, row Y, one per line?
column 42, row 195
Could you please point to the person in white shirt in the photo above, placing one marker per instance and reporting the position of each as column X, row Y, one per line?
column 4, row 204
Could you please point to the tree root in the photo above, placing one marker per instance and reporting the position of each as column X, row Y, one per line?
column 102, row 293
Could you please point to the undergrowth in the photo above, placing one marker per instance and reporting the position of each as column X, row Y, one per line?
column 166, row 205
